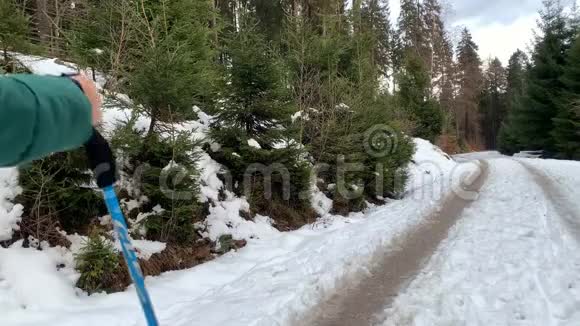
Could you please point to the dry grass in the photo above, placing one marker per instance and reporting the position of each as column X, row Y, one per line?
column 171, row 259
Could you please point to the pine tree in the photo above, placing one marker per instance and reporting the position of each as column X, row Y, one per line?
column 533, row 121
column 254, row 120
column 445, row 71
column 13, row 28
column 516, row 85
column 271, row 17
column 438, row 58
column 566, row 131
column 375, row 23
column 492, row 104
column 413, row 92
column 256, row 99
column 573, row 21
column 324, row 14
column 411, row 27
column 438, row 52
column 516, row 77
column 470, row 80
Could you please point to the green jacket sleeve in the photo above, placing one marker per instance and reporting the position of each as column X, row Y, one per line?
column 40, row 115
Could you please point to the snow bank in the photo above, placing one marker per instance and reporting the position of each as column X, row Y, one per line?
column 9, row 213
column 224, row 218
column 145, row 248
column 54, row 67
column 322, row 205
column 30, row 281
column 430, row 166
column 45, row 66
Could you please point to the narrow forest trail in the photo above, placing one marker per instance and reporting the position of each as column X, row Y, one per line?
column 365, row 296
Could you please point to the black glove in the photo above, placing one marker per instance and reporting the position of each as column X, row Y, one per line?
column 99, row 152
column 101, row 160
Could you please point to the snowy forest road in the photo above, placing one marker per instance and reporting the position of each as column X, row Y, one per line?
column 507, row 257
column 364, row 296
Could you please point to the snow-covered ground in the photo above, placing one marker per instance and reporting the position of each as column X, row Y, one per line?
column 509, row 261
column 565, row 173
column 271, row 281
column 275, row 278
column 9, row 213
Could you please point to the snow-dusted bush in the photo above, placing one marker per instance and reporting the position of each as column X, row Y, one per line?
column 160, row 173
column 97, row 262
column 57, row 194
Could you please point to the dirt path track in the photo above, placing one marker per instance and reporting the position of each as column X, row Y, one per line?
column 367, row 295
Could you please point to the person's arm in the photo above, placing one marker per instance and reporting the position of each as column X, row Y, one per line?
column 40, row 115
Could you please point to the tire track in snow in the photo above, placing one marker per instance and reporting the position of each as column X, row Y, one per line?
column 365, row 296
column 567, row 210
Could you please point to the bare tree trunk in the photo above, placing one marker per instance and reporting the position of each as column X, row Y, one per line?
column 43, row 21
column 153, row 124
column 55, row 30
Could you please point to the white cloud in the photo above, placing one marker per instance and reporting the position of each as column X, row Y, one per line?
column 501, row 40
column 498, row 33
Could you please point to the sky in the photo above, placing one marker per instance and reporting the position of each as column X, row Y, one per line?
column 499, row 27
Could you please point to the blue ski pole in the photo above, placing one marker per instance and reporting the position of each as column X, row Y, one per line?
column 102, row 163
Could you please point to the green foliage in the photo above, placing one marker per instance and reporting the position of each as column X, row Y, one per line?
column 256, row 100
column 470, row 82
column 508, row 140
column 13, row 30
column 270, row 16
column 164, row 187
column 542, row 104
column 57, row 188
column 257, row 107
column 92, row 45
column 413, row 83
column 361, row 150
column 533, row 120
column 377, row 28
column 335, row 81
column 566, row 131
column 161, row 55
column 384, row 159
column 164, row 170
column 226, row 243
column 492, row 104
column 97, row 261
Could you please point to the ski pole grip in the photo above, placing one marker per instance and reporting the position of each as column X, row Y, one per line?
column 101, row 160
